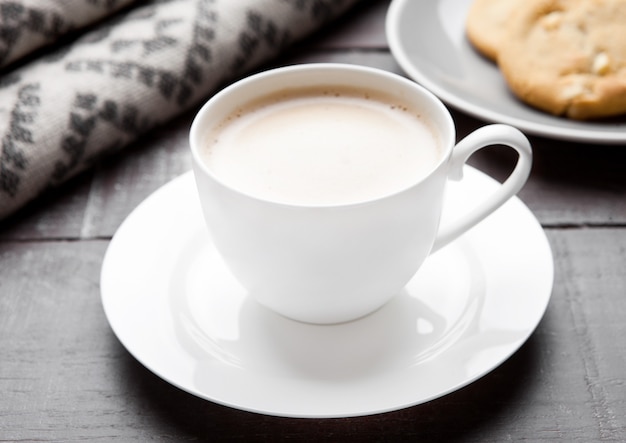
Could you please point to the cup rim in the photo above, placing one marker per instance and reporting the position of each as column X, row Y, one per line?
column 447, row 134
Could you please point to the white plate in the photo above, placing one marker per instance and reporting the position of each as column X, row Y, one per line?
column 175, row 307
column 427, row 38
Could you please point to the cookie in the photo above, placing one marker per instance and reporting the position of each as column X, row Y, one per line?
column 486, row 24
column 568, row 57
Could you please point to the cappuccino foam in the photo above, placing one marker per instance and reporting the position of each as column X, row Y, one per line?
column 322, row 146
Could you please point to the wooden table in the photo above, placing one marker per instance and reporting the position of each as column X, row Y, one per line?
column 64, row 376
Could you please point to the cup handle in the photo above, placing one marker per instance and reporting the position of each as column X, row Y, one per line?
column 489, row 135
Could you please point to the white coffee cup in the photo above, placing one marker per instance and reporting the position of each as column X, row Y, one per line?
column 330, row 263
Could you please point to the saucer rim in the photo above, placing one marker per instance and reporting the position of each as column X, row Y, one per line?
column 185, row 181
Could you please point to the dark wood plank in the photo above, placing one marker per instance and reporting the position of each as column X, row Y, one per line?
column 363, row 28
column 570, row 185
column 57, row 214
column 64, row 376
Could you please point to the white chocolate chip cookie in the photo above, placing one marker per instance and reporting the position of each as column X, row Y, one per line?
column 568, row 57
column 486, row 24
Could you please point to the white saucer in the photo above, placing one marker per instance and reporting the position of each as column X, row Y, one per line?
column 427, row 38
column 175, row 307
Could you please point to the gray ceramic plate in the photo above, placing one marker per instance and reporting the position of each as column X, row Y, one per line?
column 427, row 38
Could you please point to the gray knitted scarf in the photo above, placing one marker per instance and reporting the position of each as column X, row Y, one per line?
column 80, row 79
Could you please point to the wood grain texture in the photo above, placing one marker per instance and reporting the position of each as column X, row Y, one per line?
column 64, row 376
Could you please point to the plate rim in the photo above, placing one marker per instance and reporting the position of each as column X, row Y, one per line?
column 394, row 16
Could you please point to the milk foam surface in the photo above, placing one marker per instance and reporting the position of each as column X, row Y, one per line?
column 317, row 147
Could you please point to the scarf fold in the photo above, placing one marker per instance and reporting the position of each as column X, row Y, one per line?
column 63, row 110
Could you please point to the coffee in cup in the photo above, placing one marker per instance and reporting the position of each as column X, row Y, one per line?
column 322, row 145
